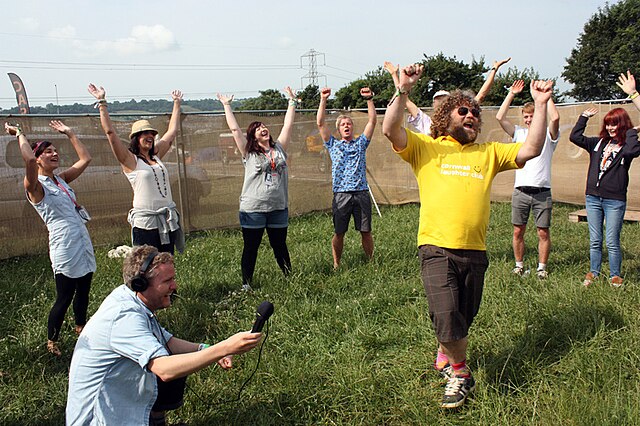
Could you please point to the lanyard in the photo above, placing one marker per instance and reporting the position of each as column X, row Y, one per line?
column 65, row 191
column 271, row 158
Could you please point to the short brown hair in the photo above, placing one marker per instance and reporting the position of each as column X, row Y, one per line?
column 528, row 108
column 340, row 118
column 134, row 260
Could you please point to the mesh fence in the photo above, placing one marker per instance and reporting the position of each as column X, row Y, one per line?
column 206, row 171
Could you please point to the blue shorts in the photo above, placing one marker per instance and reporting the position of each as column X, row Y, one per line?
column 257, row 220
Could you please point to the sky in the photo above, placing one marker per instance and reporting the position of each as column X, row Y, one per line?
column 140, row 49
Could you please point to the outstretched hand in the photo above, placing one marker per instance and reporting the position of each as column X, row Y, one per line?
column 498, row 64
column 289, row 92
column 325, row 92
column 627, row 83
column 541, row 90
column 409, row 75
column 517, row 87
column 59, row 126
column 176, row 95
column 391, row 68
column 226, row 100
column 11, row 129
column 98, row 93
column 590, row 112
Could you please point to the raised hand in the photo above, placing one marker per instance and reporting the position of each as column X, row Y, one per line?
column 391, row 68
column 498, row 64
column 590, row 112
column 409, row 75
column 226, row 100
column 11, row 129
column 627, row 83
column 366, row 93
column 98, row 93
column 325, row 92
column 176, row 95
column 517, row 87
column 541, row 90
column 59, row 126
column 290, row 93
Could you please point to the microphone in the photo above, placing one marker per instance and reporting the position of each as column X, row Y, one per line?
column 263, row 313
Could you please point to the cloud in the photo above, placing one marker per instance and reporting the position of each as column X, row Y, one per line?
column 142, row 39
column 29, row 24
column 285, row 42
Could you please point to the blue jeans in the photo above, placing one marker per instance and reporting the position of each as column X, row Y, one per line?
column 601, row 210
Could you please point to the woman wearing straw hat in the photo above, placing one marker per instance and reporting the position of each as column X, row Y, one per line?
column 154, row 217
column 264, row 197
column 70, row 248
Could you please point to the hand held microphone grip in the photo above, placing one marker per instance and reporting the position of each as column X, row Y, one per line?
column 263, row 313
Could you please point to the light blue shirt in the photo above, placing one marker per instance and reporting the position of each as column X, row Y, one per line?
column 109, row 383
column 70, row 248
column 348, row 163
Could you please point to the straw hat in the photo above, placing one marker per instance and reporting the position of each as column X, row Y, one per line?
column 141, row 126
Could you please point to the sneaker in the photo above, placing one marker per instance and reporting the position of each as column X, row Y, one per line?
column 446, row 372
column 457, row 390
column 616, row 281
column 542, row 274
column 588, row 279
column 518, row 270
column 246, row 287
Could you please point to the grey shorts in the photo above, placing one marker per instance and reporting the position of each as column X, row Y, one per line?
column 453, row 281
column 537, row 200
column 347, row 204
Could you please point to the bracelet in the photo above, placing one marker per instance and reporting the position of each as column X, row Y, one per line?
column 368, row 98
column 293, row 102
column 19, row 132
column 399, row 91
column 99, row 102
column 634, row 95
column 202, row 346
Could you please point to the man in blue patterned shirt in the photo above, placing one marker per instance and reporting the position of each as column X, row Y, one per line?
column 349, row 174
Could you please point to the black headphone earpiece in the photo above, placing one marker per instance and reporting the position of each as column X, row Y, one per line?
column 139, row 282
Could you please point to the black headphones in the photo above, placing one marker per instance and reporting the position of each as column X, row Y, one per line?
column 139, row 282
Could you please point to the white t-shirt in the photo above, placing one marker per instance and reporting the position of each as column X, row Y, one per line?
column 537, row 171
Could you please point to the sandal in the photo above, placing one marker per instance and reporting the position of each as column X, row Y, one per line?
column 53, row 348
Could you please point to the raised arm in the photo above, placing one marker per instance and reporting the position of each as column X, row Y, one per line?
column 164, row 143
column 285, row 134
column 577, row 136
column 84, row 158
column 501, row 116
column 532, row 147
column 126, row 158
column 628, row 85
column 31, row 183
column 392, row 123
column 180, row 365
column 368, row 94
column 236, row 131
column 325, row 133
column 486, row 86
column 554, row 119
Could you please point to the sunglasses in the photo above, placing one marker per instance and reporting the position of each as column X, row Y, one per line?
column 462, row 111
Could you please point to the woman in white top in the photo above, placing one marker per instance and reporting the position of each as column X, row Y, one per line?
column 264, row 197
column 154, row 217
column 70, row 248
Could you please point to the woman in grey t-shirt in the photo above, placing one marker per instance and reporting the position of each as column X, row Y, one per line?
column 264, row 198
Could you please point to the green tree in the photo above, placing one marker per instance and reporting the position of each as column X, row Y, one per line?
column 310, row 97
column 503, row 82
column 378, row 80
column 608, row 46
column 268, row 99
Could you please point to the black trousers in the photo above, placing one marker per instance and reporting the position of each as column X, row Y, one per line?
column 66, row 289
column 252, row 239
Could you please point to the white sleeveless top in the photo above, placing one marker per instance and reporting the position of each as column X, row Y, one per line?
column 151, row 185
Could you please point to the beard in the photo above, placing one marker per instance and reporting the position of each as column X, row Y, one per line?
column 461, row 135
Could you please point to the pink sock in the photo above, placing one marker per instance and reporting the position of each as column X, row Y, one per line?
column 461, row 370
column 441, row 361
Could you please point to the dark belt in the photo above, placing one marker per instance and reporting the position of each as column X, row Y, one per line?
column 532, row 189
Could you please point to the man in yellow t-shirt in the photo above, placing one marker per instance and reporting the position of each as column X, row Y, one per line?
column 454, row 177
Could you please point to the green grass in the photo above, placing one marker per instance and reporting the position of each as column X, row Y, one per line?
column 355, row 346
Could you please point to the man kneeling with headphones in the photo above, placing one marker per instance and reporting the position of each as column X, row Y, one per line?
column 122, row 348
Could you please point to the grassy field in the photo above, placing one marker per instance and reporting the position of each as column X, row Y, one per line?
column 355, row 346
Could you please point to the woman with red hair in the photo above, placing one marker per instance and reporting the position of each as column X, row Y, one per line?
column 610, row 156
column 264, row 197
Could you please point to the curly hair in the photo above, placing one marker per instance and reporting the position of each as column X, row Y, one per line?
column 442, row 115
column 134, row 260
column 252, row 142
column 616, row 117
